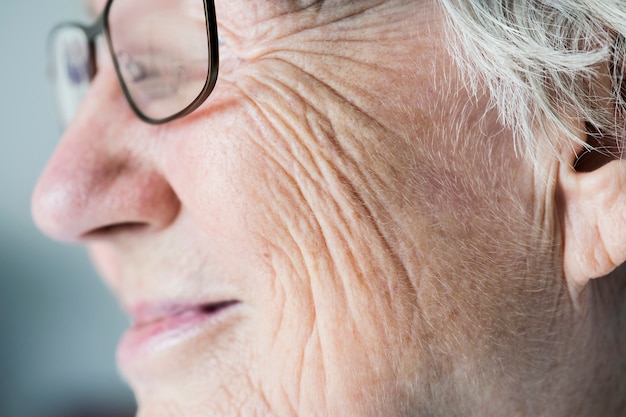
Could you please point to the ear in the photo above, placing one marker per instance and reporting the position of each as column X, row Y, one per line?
column 592, row 210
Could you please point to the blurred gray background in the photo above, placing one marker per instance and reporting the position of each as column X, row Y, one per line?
column 58, row 323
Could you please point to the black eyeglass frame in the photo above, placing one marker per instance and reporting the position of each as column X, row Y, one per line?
column 101, row 26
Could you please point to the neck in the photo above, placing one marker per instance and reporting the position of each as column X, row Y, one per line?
column 585, row 373
column 603, row 322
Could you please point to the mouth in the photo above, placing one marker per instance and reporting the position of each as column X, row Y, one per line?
column 160, row 327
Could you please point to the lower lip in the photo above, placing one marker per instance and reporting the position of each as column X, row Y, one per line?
column 152, row 338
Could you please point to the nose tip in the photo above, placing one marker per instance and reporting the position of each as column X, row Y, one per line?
column 61, row 198
column 54, row 210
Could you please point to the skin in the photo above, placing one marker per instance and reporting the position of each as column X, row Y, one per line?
column 390, row 253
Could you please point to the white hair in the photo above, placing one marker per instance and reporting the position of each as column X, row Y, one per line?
column 547, row 63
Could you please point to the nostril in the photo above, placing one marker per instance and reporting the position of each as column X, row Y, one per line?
column 215, row 307
column 115, row 229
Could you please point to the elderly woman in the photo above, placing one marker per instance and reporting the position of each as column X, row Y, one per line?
column 379, row 207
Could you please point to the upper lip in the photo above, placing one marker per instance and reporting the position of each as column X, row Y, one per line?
column 147, row 313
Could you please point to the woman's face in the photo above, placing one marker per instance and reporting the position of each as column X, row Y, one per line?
column 333, row 232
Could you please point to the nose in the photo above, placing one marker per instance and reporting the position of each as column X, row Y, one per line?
column 103, row 178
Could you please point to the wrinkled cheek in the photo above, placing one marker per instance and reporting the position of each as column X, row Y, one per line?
column 315, row 356
column 292, row 348
column 321, row 352
column 291, row 372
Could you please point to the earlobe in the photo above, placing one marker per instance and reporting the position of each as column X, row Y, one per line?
column 592, row 210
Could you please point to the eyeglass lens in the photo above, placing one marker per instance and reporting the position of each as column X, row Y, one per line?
column 160, row 49
column 71, row 70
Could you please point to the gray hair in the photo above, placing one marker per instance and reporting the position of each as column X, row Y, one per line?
column 546, row 63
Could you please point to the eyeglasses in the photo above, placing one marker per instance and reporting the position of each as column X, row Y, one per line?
column 165, row 54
